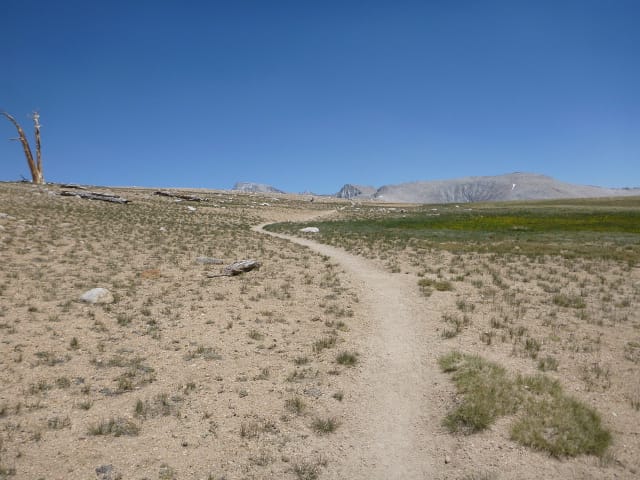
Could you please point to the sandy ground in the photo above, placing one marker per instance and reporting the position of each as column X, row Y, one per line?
column 207, row 369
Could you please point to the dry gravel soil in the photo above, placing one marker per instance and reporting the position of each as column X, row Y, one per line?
column 189, row 377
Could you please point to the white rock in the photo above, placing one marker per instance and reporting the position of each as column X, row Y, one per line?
column 191, row 209
column 97, row 295
column 310, row 230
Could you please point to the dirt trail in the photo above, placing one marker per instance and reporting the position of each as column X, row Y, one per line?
column 391, row 433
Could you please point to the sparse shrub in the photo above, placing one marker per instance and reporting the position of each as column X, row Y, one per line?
column 325, row 342
column 114, row 426
column 632, row 352
column 255, row 335
column 301, row 360
column 568, row 301
column 532, row 347
column 458, row 323
column 465, row 306
column 548, row 363
column 167, row 473
column 63, row 382
column 249, row 429
column 427, row 285
column 347, row 358
column 295, row 405
column 306, row 470
column 58, row 423
column 325, row 425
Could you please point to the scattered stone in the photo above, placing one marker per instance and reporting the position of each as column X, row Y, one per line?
column 163, row 229
column 209, row 261
column 310, row 230
column 447, row 459
column 97, row 295
column 313, row 392
column 191, row 209
column 107, row 472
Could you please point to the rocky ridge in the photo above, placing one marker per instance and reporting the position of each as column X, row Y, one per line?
column 513, row 186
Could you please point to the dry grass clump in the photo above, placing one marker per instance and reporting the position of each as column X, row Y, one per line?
column 116, row 426
column 548, row 419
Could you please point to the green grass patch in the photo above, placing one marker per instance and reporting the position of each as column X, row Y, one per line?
column 597, row 228
column 546, row 418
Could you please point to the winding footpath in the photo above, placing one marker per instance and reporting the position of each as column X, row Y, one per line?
column 394, row 424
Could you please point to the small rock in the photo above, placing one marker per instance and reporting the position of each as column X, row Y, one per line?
column 310, row 230
column 163, row 229
column 97, row 295
column 447, row 459
column 209, row 261
column 191, row 209
column 107, row 472
column 313, row 392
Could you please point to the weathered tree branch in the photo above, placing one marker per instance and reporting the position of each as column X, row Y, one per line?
column 36, row 128
column 236, row 268
column 189, row 198
column 35, row 168
column 105, row 197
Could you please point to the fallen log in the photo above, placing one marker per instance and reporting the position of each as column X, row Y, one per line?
column 189, row 198
column 104, row 197
column 237, row 268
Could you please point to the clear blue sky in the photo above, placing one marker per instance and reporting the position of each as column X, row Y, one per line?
column 308, row 95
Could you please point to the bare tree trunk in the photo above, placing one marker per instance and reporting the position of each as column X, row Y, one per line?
column 36, row 128
column 36, row 168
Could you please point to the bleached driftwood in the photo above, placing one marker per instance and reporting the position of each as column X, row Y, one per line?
column 105, row 197
column 189, row 198
column 236, row 268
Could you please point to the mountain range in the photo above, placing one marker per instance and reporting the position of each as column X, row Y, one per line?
column 512, row 186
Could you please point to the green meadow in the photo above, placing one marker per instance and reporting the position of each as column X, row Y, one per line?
column 594, row 228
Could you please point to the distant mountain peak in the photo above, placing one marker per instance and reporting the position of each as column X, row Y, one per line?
column 252, row 187
column 350, row 191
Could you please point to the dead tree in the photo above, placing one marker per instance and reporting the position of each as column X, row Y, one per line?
column 34, row 165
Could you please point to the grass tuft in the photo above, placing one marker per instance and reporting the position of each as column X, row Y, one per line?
column 348, row 359
column 325, row 425
column 115, row 426
column 548, row 419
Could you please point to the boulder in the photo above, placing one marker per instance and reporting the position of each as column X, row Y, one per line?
column 310, row 230
column 97, row 295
